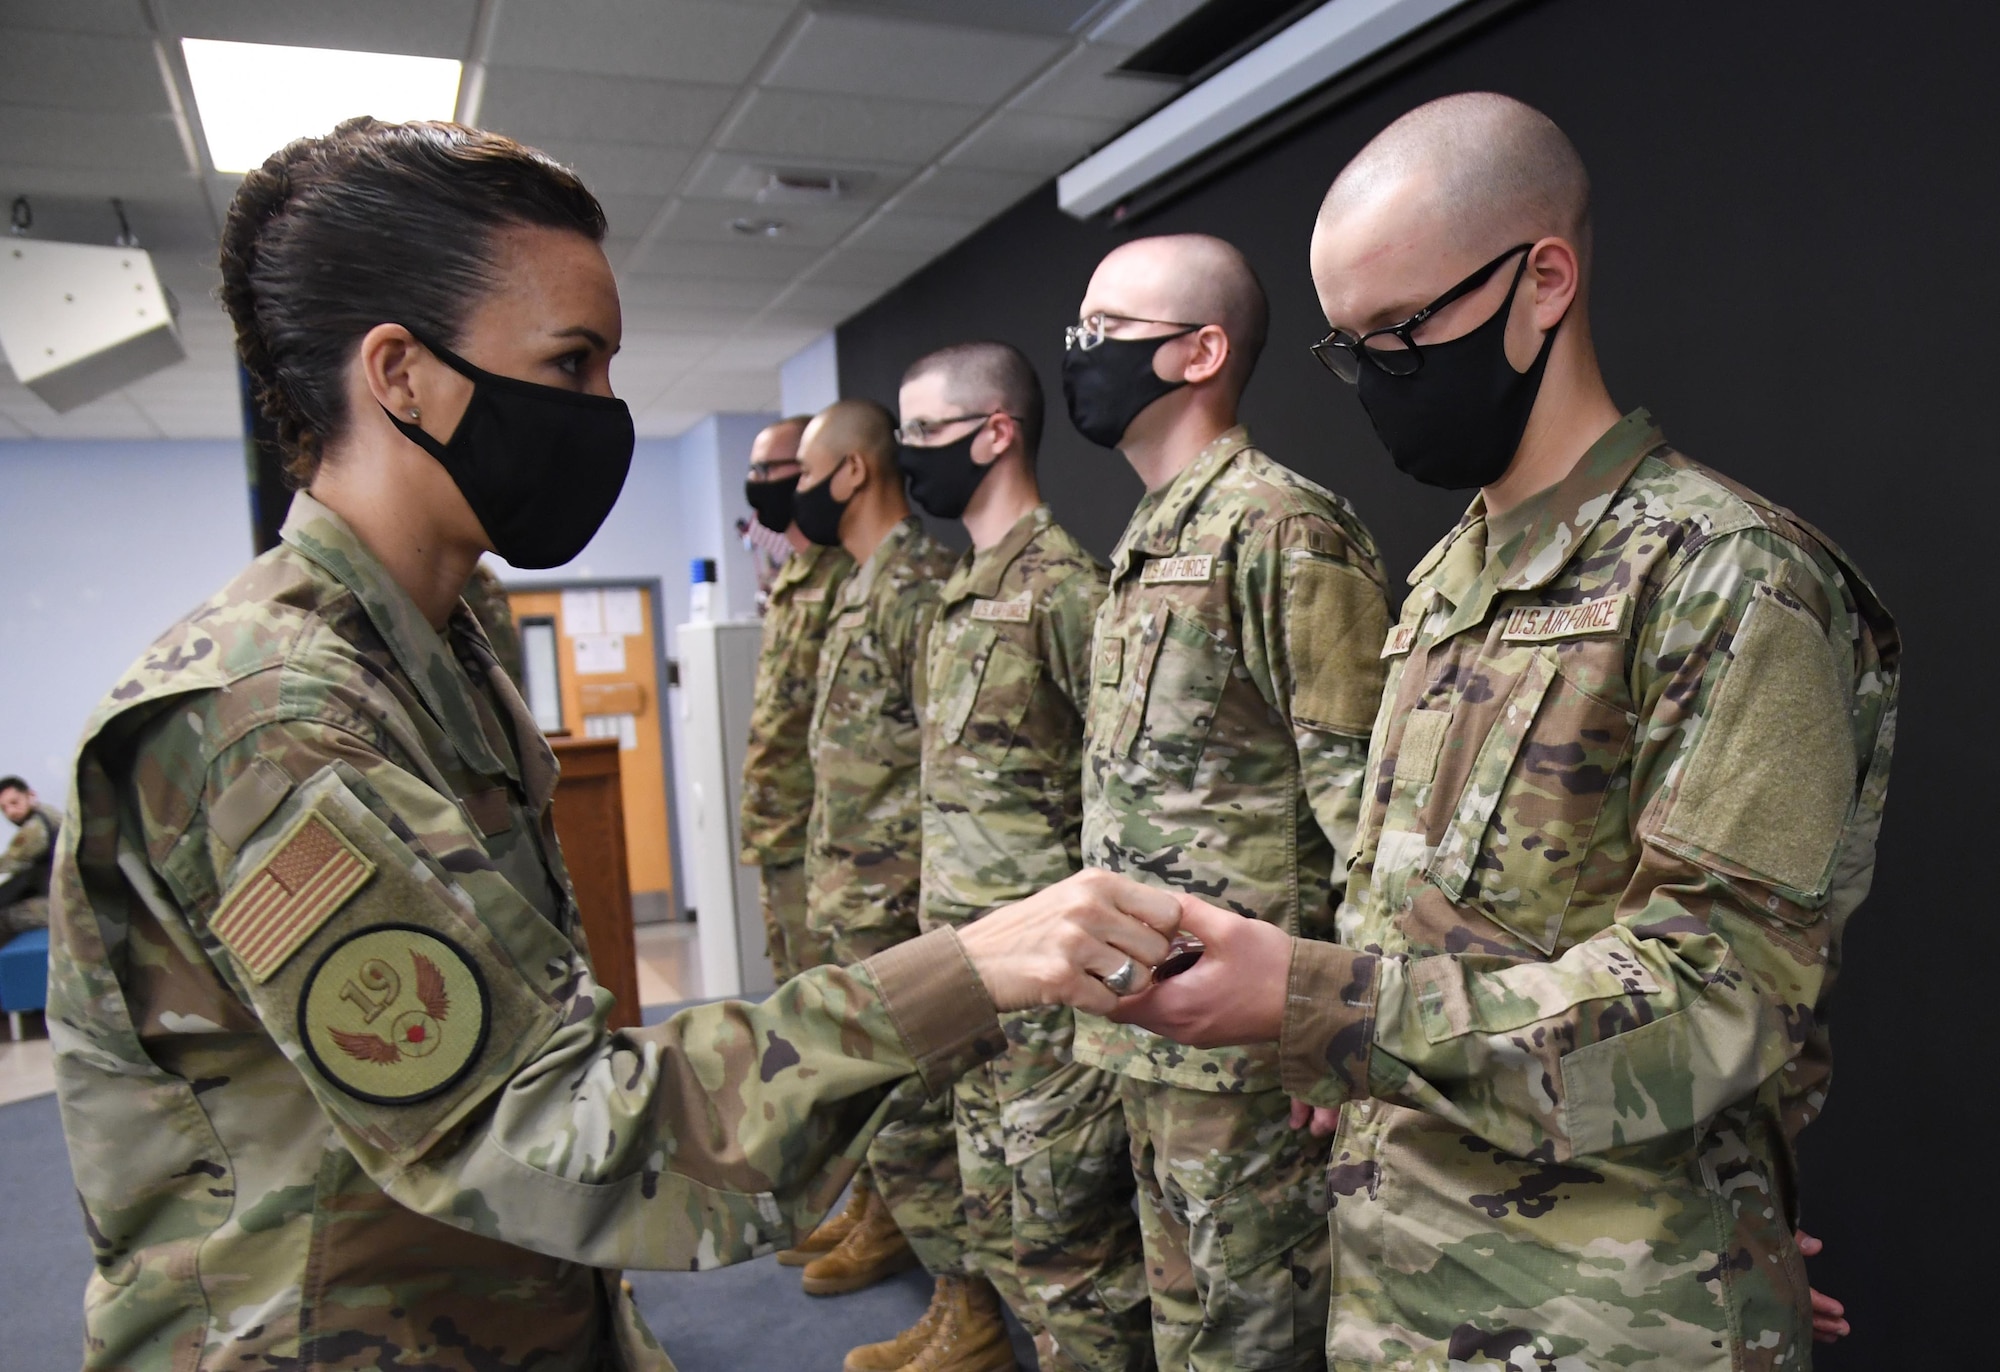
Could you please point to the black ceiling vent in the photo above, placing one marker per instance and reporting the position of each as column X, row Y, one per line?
column 1214, row 36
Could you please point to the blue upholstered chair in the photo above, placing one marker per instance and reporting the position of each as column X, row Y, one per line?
column 24, row 977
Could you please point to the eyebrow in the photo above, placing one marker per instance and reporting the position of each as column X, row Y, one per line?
column 579, row 331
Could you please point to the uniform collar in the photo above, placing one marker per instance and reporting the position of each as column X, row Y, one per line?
column 980, row 573
column 798, row 567
column 1562, row 517
column 1156, row 525
column 856, row 588
column 323, row 538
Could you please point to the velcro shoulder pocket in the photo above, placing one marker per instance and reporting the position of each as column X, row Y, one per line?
column 1336, row 621
column 374, row 973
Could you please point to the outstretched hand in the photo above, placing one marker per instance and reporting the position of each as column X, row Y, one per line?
column 1055, row 947
column 1235, row 994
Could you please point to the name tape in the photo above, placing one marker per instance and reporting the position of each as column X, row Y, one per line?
column 809, row 595
column 1399, row 640
column 1197, row 567
column 1004, row 611
column 1540, row 623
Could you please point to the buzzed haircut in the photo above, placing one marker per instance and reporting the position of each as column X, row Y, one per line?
column 865, row 427
column 1217, row 285
column 1503, row 172
column 989, row 373
column 14, row 784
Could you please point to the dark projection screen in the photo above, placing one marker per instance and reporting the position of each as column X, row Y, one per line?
column 1797, row 269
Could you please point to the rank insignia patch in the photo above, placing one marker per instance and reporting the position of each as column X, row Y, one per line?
column 394, row 1014
column 308, row 875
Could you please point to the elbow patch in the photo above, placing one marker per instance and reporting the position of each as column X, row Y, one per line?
column 1766, row 790
column 1335, row 618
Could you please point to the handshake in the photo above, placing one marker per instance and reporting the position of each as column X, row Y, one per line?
column 1109, row 946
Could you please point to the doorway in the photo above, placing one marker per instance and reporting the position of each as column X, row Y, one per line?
column 594, row 659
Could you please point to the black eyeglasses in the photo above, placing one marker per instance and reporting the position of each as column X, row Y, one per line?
column 1391, row 348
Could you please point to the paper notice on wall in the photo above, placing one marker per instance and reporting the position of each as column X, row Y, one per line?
column 624, row 728
column 599, row 653
column 582, row 613
column 624, row 612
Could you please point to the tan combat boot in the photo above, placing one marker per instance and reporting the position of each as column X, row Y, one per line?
column 828, row 1233
column 892, row 1354
column 972, row 1337
column 873, row 1250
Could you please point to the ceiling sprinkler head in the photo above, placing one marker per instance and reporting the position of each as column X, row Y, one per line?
column 758, row 228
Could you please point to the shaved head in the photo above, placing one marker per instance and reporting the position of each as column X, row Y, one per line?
column 852, row 426
column 1187, row 278
column 1492, row 171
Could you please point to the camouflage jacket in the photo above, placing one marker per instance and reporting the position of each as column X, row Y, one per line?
column 1624, row 791
column 777, row 770
column 1235, row 673
column 25, row 862
column 1009, row 680
column 314, row 945
column 863, row 862
column 486, row 596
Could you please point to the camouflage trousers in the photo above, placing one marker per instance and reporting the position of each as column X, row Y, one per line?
column 914, row 1163
column 1232, row 1204
column 32, row 912
column 1048, row 1203
column 791, row 947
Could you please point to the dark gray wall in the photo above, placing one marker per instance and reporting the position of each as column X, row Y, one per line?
column 1797, row 275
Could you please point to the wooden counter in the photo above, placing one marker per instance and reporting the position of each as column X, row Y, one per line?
column 590, row 822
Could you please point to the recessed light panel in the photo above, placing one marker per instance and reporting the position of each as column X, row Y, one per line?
column 256, row 97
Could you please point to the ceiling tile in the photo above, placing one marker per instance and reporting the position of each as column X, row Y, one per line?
column 621, row 168
column 78, row 16
column 1087, row 83
column 694, row 292
column 823, row 303
column 744, row 261
column 712, row 389
column 902, row 230
column 797, row 124
column 1134, row 26
column 435, row 28
column 69, row 138
column 967, row 191
column 858, row 54
column 737, row 176
column 805, row 226
column 762, row 346
column 1036, row 144
column 532, row 105
column 631, row 214
column 858, row 267
column 1055, row 17
column 673, row 40
column 74, row 71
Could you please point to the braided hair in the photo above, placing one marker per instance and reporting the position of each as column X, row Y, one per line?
column 372, row 224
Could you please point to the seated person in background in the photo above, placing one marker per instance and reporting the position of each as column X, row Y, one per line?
column 24, row 867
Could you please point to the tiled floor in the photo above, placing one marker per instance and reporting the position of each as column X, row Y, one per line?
column 669, row 971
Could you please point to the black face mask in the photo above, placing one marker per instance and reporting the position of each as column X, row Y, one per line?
column 818, row 514
column 772, row 500
column 943, row 479
column 1111, row 384
column 540, row 466
column 1457, row 421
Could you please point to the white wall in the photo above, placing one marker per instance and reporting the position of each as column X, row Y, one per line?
column 105, row 545
column 809, row 380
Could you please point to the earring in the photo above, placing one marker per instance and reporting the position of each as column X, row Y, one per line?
column 415, row 413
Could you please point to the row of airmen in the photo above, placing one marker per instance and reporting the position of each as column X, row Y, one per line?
column 1519, row 908
column 935, row 738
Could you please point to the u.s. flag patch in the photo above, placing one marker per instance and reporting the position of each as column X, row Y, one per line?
column 308, row 874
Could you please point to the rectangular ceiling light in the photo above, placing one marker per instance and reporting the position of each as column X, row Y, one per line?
column 1330, row 40
column 256, row 97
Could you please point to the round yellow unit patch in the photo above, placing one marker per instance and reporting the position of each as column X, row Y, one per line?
column 393, row 1014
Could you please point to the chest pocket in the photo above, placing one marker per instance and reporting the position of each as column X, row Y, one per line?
column 1177, row 686
column 838, row 640
column 983, row 691
column 1515, row 814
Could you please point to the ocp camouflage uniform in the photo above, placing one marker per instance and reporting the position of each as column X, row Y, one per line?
column 24, row 871
column 777, row 771
column 863, row 860
column 1041, row 1147
column 1235, row 675
column 1625, row 788
column 329, row 1053
column 486, row 596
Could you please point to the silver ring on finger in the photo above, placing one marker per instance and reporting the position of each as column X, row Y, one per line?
column 1124, row 979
